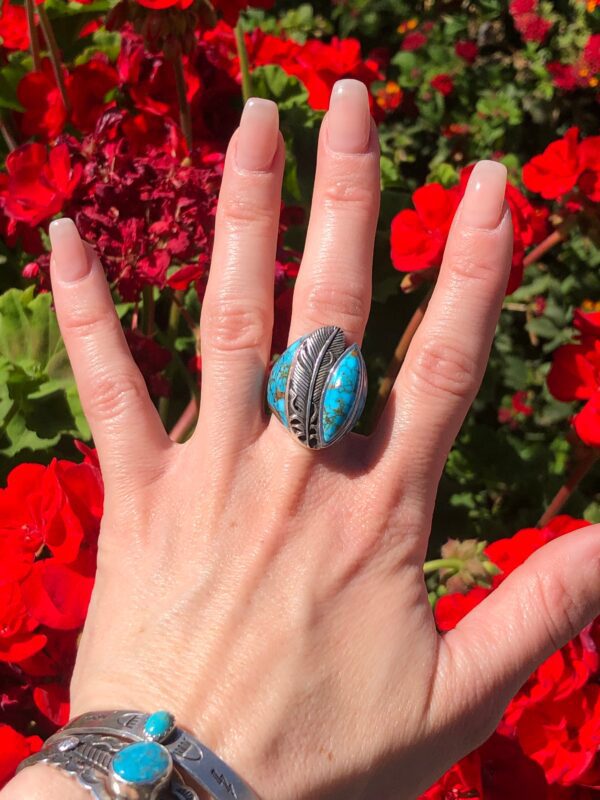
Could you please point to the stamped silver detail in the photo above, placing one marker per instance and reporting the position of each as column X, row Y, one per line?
column 67, row 744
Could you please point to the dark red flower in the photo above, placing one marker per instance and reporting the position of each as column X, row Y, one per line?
column 467, row 50
column 413, row 41
column 230, row 9
column 52, row 699
column 87, row 86
column 463, row 780
column 161, row 4
column 37, row 183
column 151, row 358
column 14, row 747
column 575, row 371
column 591, row 53
column 443, row 84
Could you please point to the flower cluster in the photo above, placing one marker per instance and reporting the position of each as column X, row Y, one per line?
column 546, row 746
column 50, row 519
column 532, row 26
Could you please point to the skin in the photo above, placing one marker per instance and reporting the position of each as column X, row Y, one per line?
column 273, row 597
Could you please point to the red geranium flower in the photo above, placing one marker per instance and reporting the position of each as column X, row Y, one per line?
column 45, row 113
column 467, row 50
column 87, row 86
column 563, row 737
column 14, row 747
column 57, row 507
column 443, row 84
column 418, row 237
column 587, row 421
column 37, row 183
column 413, row 41
column 13, row 26
column 18, row 637
column 565, row 164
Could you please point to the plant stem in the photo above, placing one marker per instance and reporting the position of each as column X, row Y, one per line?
column 385, row 387
column 244, row 63
column 172, row 327
column 54, row 54
column 34, row 42
column 185, row 421
column 7, row 135
column 554, row 238
column 442, row 563
column 185, row 115
column 579, row 471
column 148, row 310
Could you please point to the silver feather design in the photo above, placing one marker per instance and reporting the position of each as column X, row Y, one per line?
column 316, row 355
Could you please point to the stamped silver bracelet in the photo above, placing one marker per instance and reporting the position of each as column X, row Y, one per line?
column 137, row 756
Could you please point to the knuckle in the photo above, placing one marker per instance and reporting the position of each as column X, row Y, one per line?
column 240, row 211
column 557, row 605
column 442, row 369
column 349, row 191
column 114, row 394
column 346, row 303
column 475, row 263
column 87, row 321
column 229, row 325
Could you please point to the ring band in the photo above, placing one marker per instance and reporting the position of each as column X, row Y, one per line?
column 318, row 387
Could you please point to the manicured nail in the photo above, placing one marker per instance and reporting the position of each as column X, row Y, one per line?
column 70, row 258
column 484, row 196
column 349, row 118
column 258, row 135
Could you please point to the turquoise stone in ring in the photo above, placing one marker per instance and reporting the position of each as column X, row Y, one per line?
column 140, row 770
column 318, row 387
column 159, row 725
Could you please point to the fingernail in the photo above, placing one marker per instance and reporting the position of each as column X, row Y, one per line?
column 70, row 258
column 258, row 135
column 349, row 118
column 484, row 196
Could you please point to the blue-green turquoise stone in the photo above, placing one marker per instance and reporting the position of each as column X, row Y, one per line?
column 339, row 394
column 143, row 762
column 278, row 382
column 158, row 725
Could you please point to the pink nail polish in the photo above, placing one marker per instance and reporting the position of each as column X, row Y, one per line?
column 483, row 201
column 258, row 135
column 71, row 262
column 349, row 117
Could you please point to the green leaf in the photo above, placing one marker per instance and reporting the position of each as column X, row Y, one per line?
column 273, row 83
column 38, row 400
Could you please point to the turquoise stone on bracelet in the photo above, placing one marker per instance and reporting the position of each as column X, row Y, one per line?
column 142, row 762
column 159, row 725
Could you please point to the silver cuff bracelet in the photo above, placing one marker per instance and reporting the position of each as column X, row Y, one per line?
column 136, row 756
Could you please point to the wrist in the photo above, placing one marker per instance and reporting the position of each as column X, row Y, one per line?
column 41, row 782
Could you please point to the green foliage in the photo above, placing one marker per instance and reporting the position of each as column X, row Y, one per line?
column 38, row 398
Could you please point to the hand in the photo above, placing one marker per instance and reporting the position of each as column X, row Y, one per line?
column 273, row 597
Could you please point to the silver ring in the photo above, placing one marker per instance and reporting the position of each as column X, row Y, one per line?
column 318, row 387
